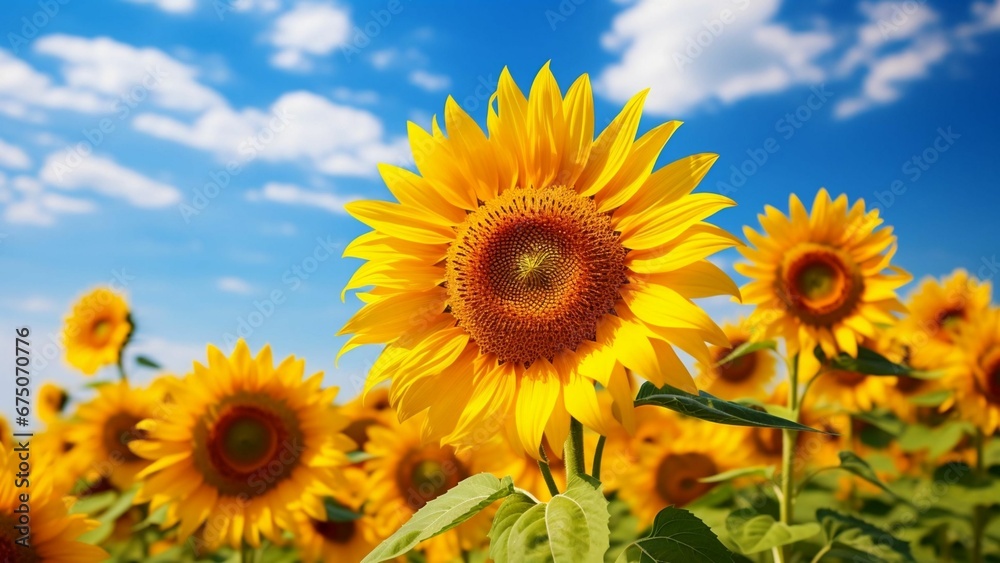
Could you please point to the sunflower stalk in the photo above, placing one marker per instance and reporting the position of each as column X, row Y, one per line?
column 788, row 453
column 543, row 466
column 979, row 512
column 573, row 451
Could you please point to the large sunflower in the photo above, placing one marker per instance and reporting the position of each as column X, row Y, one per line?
column 406, row 474
column 249, row 443
column 519, row 268
column 669, row 472
column 745, row 377
column 976, row 377
column 53, row 531
column 822, row 278
column 96, row 330
column 103, row 428
column 938, row 310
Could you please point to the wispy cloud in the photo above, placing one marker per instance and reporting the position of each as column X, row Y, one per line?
column 290, row 194
column 233, row 284
column 429, row 81
column 308, row 30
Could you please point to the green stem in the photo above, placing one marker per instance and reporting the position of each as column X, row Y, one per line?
column 822, row 552
column 788, row 452
column 121, row 368
column 543, row 465
column 573, row 451
column 246, row 553
column 598, row 455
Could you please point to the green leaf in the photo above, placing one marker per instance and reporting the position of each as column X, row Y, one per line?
column 937, row 440
column 92, row 504
column 359, row 456
column 849, row 461
column 121, row 505
column 509, row 512
column 711, row 408
column 336, row 512
column 745, row 349
column 765, row 471
column 577, row 522
column 930, row 399
column 455, row 506
column 762, row 532
column 868, row 362
column 528, row 540
column 859, row 535
column 147, row 362
column 677, row 537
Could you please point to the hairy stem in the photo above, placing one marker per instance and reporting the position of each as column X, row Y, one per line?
column 573, row 450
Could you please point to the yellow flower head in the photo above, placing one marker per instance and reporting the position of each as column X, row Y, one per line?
column 54, row 532
column 976, row 377
column 938, row 311
column 521, row 266
column 822, row 278
column 96, row 330
column 247, row 444
column 745, row 377
column 51, row 401
column 338, row 540
column 365, row 411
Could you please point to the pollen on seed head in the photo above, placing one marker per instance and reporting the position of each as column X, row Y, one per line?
column 532, row 272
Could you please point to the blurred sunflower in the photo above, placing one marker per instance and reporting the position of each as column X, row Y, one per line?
column 938, row 310
column 54, row 532
column 668, row 472
column 406, row 474
column 324, row 539
column 249, row 444
column 52, row 400
column 96, row 330
column 365, row 411
column 6, row 433
column 976, row 376
column 764, row 444
column 849, row 390
column 821, row 279
column 745, row 377
column 518, row 269
column 103, row 427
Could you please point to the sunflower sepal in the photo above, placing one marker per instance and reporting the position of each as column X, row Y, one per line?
column 677, row 535
column 758, row 533
column 867, row 362
column 708, row 407
column 147, row 362
column 337, row 512
column 458, row 504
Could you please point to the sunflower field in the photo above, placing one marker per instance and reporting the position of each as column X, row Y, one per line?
column 547, row 387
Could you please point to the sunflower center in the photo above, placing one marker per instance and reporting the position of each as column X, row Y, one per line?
column 768, row 440
column 909, row 385
column 819, row 284
column 423, row 478
column 247, row 445
column 947, row 322
column 737, row 370
column 848, row 378
column 677, row 478
column 10, row 550
column 991, row 373
column 100, row 332
column 357, row 431
column 119, row 430
column 532, row 271
column 335, row 532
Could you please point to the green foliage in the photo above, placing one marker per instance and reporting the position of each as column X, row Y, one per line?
column 868, row 362
column 762, row 532
column 745, row 349
column 678, row 536
column 852, row 534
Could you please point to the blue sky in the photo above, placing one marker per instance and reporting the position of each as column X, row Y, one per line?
column 199, row 154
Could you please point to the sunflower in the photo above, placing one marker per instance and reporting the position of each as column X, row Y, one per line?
column 406, row 474
column 54, row 532
column 668, row 472
column 976, row 376
column 814, row 448
column 821, row 279
column 52, row 400
column 850, row 391
column 938, row 310
column 519, row 268
column 745, row 377
column 248, row 444
column 96, row 330
column 338, row 540
column 365, row 411
column 103, row 428
column 6, row 433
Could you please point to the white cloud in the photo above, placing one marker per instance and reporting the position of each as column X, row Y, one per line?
column 22, row 89
column 335, row 139
column 30, row 204
column 13, row 156
column 232, row 284
column 355, row 97
column 429, row 81
column 986, row 18
column 290, row 194
column 116, row 71
column 712, row 51
column 32, row 304
column 170, row 6
column 886, row 23
column 108, row 178
column 307, row 30
column 264, row 6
